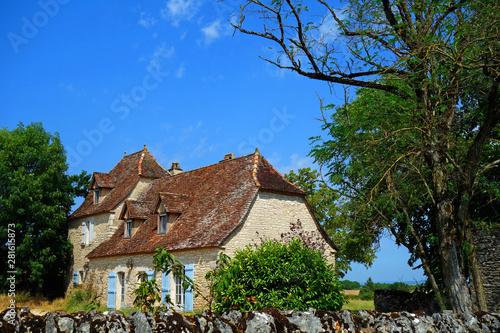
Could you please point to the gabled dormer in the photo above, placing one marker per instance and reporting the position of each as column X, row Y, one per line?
column 169, row 207
column 100, row 185
column 134, row 213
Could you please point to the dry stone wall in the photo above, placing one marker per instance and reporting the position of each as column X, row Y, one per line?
column 487, row 245
column 266, row 321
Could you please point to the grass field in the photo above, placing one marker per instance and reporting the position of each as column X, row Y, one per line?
column 38, row 304
column 356, row 305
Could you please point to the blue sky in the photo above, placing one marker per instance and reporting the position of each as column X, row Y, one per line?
column 112, row 76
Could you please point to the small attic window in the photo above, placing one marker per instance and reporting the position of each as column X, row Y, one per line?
column 97, row 194
column 128, row 228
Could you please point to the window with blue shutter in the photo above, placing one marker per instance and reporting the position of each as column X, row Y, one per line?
column 75, row 277
column 151, row 274
column 165, row 287
column 188, row 300
column 111, row 290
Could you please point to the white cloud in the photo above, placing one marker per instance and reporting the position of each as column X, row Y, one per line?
column 160, row 53
column 215, row 30
column 147, row 21
column 180, row 71
column 179, row 10
column 212, row 31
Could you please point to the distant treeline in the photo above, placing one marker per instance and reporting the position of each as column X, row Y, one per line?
column 366, row 290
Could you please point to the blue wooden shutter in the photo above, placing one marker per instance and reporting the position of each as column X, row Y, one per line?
column 151, row 274
column 165, row 287
column 188, row 301
column 75, row 277
column 111, row 290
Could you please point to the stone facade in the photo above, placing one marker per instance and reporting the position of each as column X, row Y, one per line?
column 270, row 216
column 99, row 269
column 487, row 245
column 104, row 224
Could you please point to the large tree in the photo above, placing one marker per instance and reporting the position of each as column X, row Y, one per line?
column 440, row 57
column 36, row 195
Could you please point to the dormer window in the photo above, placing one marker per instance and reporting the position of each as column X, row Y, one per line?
column 128, row 228
column 97, row 193
column 169, row 207
column 162, row 223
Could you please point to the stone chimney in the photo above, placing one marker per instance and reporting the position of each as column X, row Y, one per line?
column 229, row 156
column 175, row 169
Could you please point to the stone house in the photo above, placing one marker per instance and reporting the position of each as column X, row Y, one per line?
column 139, row 206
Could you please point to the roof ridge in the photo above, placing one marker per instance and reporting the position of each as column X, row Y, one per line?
column 255, row 167
column 139, row 165
column 220, row 162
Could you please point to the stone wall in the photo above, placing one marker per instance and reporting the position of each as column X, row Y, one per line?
column 399, row 300
column 270, row 215
column 265, row 321
column 487, row 245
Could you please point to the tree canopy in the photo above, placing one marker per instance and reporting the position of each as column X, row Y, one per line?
column 325, row 205
column 36, row 195
column 428, row 119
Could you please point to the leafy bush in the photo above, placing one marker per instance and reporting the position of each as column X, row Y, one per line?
column 284, row 276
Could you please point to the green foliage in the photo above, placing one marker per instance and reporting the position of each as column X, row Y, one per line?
column 283, row 276
column 83, row 299
column 36, row 196
column 148, row 293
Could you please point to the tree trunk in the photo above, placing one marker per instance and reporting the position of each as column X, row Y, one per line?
column 452, row 264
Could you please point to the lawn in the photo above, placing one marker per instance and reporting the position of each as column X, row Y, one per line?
column 356, row 305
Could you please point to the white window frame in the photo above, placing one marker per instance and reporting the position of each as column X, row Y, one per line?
column 91, row 231
column 123, row 288
column 180, row 293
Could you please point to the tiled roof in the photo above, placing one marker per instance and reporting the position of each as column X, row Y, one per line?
column 174, row 203
column 138, row 209
column 103, row 180
column 213, row 200
column 121, row 179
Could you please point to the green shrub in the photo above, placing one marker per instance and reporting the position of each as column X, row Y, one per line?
column 366, row 296
column 83, row 299
column 283, row 276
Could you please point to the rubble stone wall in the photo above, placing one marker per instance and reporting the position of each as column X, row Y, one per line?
column 266, row 321
column 487, row 243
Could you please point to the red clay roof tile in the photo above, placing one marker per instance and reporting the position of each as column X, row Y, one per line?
column 213, row 202
column 125, row 175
